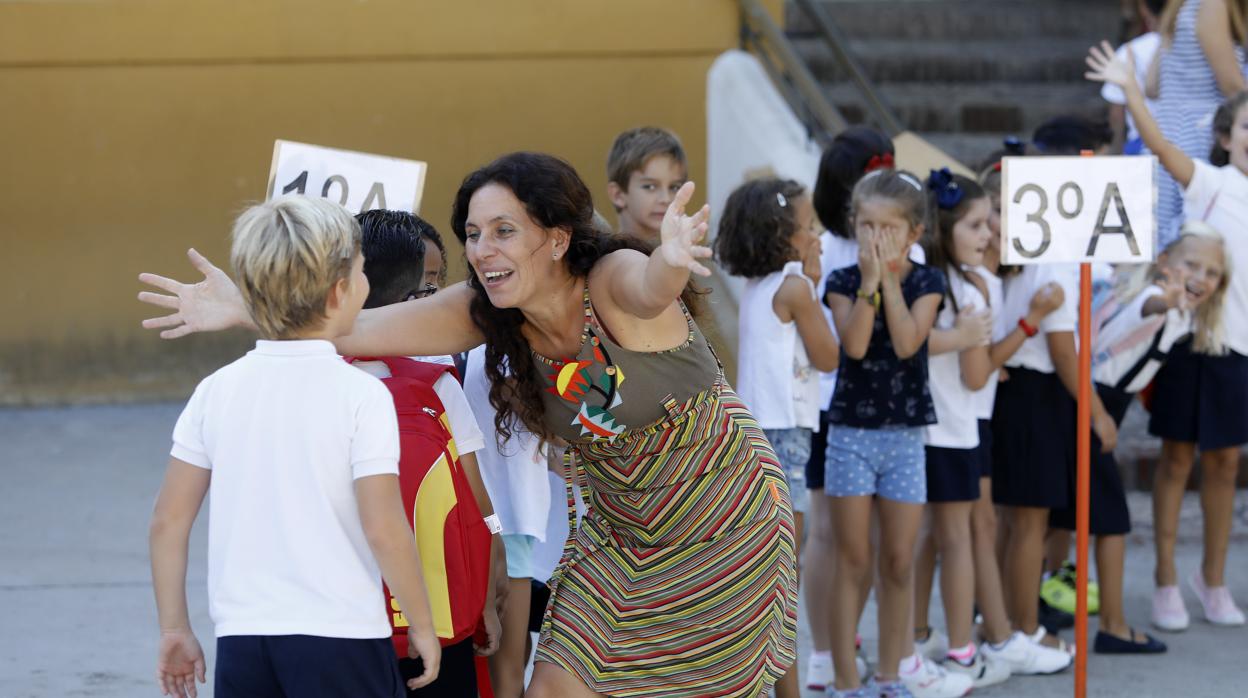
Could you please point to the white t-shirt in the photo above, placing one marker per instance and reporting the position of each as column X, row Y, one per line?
column 515, row 476
column 1126, row 337
column 774, row 375
column 986, row 397
column 1019, row 289
column 286, row 431
column 463, row 423
column 837, row 253
column 956, row 420
column 1219, row 197
column 1142, row 48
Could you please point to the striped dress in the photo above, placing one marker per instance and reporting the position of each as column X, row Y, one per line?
column 680, row 579
column 1189, row 97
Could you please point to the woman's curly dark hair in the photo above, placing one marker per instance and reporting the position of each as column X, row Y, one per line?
column 554, row 196
column 758, row 221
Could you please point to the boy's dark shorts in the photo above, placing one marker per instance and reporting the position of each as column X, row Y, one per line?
column 259, row 666
column 457, row 677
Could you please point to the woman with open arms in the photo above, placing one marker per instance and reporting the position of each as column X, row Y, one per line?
column 681, row 576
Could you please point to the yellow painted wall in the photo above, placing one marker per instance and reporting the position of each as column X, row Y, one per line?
column 132, row 130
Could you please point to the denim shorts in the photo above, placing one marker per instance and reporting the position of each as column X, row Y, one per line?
column 888, row 462
column 792, row 447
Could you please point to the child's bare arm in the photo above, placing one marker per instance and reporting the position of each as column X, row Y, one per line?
column 855, row 321
column 390, row 538
column 498, row 562
column 1066, row 363
column 180, row 660
column 972, row 328
column 796, row 300
column 1044, row 301
column 1104, row 67
column 1213, row 31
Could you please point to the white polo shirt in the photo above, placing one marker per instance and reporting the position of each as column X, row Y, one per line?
column 286, row 431
column 1219, row 197
column 1019, row 289
column 957, row 423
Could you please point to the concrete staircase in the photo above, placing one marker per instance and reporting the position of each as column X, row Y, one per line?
column 964, row 73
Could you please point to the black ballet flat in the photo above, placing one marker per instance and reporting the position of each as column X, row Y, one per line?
column 1112, row 644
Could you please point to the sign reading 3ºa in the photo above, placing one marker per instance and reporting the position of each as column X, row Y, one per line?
column 1078, row 209
column 358, row 181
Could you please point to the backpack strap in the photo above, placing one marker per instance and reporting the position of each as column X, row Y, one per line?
column 1153, row 353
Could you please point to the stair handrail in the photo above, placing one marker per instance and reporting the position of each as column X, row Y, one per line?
column 792, row 77
column 836, row 42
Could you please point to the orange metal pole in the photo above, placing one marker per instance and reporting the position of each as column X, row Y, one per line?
column 1083, row 444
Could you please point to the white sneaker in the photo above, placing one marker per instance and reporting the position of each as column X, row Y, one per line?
column 1022, row 656
column 1169, row 613
column 982, row 670
column 932, row 681
column 1219, row 607
column 820, row 672
column 935, row 647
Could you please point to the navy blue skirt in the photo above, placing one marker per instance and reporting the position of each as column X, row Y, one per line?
column 952, row 474
column 1033, row 446
column 818, row 455
column 1201, row 399
column 1107, row 500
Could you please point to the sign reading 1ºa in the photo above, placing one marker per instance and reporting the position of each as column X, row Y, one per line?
column 1078, row 209
column 358, row 181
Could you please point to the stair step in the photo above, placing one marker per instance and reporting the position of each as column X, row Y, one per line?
column 998, row 107
column 961, row 19
column 907, row 60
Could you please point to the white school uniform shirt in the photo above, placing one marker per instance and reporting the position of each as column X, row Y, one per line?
column 774, row 375
column 286, row 431
column 1142, row 48
column 986, row 397
column 1219, row 196
column 957, row 424
column 515, row 476
column 838, row 253
column 1124, row 340
column 459, row 414
column 1034, row 354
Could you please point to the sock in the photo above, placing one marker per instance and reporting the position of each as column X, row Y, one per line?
column 923, row 634
column 821, row 656
column 999, row 645
column 911, row 665
column 963, row 655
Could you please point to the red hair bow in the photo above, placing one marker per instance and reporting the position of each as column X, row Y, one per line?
column 878, row 162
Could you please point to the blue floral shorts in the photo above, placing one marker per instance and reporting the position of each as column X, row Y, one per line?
column 888, row 462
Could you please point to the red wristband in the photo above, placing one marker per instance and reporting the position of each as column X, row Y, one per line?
column 1027, row 328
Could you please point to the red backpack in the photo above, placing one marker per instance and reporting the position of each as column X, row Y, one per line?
column 451, row 535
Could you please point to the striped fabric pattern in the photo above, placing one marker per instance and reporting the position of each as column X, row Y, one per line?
column 681, row 577
column 1185, row 108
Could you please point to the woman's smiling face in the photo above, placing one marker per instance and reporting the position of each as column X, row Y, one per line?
column 510, row 253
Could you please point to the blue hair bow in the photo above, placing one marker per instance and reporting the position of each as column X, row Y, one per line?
column 948, row 193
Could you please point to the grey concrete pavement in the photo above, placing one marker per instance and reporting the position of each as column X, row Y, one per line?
column 77, row 617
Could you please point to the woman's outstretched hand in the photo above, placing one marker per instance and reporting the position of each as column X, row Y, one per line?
column 680, row 234
column 212, row 304
column 1104, row 66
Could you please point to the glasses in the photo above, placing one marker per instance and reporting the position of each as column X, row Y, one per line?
column 425, row 292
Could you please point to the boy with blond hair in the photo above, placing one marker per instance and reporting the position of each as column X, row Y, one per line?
column 645, row 168
column 302, row 454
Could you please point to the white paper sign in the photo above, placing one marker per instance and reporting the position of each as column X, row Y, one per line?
column 1078, row 209
column 358, row 181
